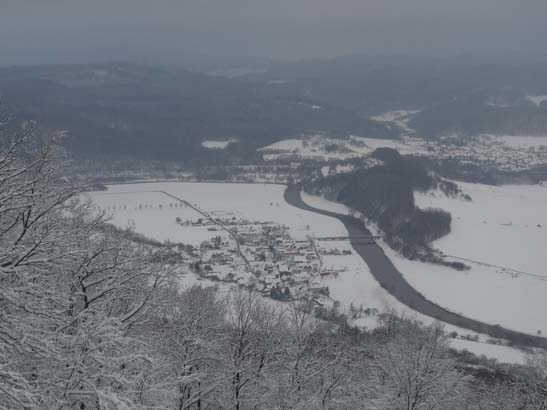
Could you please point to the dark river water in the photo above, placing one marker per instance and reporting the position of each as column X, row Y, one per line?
column 393, row 281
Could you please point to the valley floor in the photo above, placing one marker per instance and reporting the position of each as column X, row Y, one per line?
column 154, row 214
column 502, row 235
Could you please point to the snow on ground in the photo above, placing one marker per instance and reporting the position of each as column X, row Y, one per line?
column 153, row 214
column 399, row 119
column 482, row 293
column 150, row 213
column 251, row 201
column 347, row 289
column 523, row 142
column 337, row 169
column 214, row 144
column 316, row 147
column 189, row 279
column 502, row 234
column 405, row 146
column 325, row 148
column 503, row 354
column 510, row 153
column 536, row 99
column 355, row 284
column 358, row 286
column 502, row 225
column 392, row 116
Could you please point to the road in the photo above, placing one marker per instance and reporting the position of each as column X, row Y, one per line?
column 209, row 217
column 393, row 281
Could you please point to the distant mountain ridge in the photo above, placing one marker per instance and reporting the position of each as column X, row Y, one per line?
column 134, row 110
column 471, row 117
column 470, row 94
column 155, row 113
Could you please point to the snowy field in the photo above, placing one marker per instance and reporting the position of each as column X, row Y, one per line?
column 126, row 204
column 399, row 119
column 510, row 153
column 523, row 142
column 499, row 227
column 536, row 99
column 502, row 236
column 214, row 144
column 153, row 213
column 503, row 354
column 320, row 147
column 505, row 226
column 262, row 202
column 438, row 293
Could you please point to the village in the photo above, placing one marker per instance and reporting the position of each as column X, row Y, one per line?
column 262, row 256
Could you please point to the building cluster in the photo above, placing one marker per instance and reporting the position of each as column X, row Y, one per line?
column 262, row 256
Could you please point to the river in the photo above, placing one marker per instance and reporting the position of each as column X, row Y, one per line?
column 389, row 277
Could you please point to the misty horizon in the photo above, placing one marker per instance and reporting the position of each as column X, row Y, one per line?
column 274, row 205
column 57, row 31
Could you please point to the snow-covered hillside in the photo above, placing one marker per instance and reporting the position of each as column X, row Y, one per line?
column 319, row 147
column 508, row 153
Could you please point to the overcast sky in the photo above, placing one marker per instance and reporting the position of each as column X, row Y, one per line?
column 49, row 31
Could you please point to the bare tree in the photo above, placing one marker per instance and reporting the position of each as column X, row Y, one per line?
column 70, row 290
column 31, row 198
column 312, row 361
column 413, row 371
column 186, row 335
column 250, row 326
column 535, row 384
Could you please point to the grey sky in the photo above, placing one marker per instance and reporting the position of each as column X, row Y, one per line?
column 34, row 31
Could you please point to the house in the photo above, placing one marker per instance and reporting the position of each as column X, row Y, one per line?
column 206, row 245
column 284, row 269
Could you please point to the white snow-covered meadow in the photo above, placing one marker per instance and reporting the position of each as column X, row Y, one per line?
column 248, row 201
column 325, row 148
column 523, row 141
column 419, row 274
column 503, row 354
column 502, row 225
column 502, row 235
column 509, row 153
column 138, row 205
column 497, row 235
column 217, row 144
column 147, row 208
column 536, row 99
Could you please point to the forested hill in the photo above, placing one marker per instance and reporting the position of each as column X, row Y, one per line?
column 376, row 84
column 467, row 94
column 135, row 110
column 472, row 117
column 385, row 194
column 156, row 113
